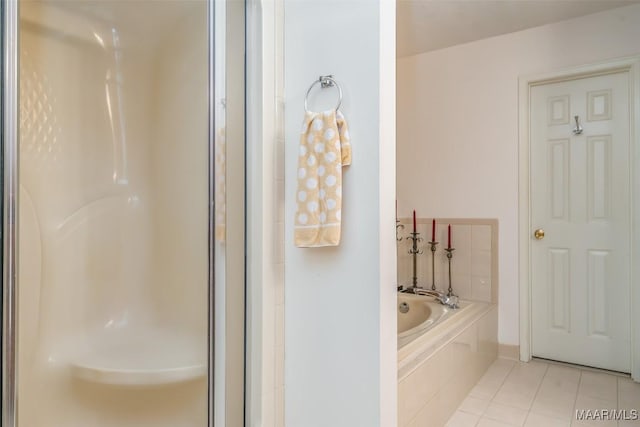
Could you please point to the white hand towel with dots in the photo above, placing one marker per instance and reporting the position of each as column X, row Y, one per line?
column 324, row 150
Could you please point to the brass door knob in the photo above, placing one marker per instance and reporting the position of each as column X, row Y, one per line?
column 539, row 234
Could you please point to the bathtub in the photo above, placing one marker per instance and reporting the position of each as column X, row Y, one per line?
column 442, row 352
column 419, row 313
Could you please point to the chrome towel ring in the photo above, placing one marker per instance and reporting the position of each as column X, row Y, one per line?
column 325, row 82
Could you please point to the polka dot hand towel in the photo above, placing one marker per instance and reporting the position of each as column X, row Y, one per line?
column 324, row 150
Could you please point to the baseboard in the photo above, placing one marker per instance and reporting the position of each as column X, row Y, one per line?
column 507, row 351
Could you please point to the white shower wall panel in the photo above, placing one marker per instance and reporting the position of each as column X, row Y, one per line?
column 178, row 172
column 113, row 230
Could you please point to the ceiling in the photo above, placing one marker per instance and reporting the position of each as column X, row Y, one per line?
column 426, row 25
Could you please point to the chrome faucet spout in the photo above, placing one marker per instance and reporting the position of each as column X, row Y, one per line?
column 450, row 301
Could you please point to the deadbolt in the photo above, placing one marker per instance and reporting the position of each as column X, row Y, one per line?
column 539, row 234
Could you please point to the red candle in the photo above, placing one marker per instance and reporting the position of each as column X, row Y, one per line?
column 433, row 230
column 414, row 220
column 449, row 238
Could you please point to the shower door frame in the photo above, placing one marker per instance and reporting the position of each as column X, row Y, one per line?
column 9, row 143
column 9, row 134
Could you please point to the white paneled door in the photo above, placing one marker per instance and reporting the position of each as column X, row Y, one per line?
column 580, row 220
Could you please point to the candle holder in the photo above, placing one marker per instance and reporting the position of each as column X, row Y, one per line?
column 449, row 256
column 415, row 252
column 432, row 246
column 399, row 227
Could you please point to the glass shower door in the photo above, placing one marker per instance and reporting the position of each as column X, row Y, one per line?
column 120, row 207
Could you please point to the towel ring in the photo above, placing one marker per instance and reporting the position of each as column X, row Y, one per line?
column 325, row 82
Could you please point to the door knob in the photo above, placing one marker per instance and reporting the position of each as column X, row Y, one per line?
column 539, row 234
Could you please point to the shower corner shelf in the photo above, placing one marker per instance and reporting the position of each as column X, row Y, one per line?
column 137, row 377
column 142, row 360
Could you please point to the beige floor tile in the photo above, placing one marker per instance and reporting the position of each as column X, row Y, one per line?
column 484, row 392
column 628, row 394
column 539, row 394
column 538, row 420
column 527, row 375
column 598, row 385
column 629, row 423
column 564, row 371
column 498, row 371
column 514, row 395
column 594, row 423
column 503, row 365
column 562, row 378
column 492, row 380
column 587, row 402
column 535, row 369
column 554, row 405
column 488, row 422
column 462, row 419
column 473, row 405
column 521, row 385
column 557, row 393
column 508, row 414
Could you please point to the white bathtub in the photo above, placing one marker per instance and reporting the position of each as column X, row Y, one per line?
column 442, row 352
column 424, row 312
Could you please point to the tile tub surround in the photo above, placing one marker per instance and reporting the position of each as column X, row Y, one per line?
column 544, row 394
column 436, row 372
column 474, row 267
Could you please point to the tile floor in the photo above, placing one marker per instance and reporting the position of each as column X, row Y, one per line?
column 543, row 394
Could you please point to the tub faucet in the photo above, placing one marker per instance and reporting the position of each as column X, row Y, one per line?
column 441, row 297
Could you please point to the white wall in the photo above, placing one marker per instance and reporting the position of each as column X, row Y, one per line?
column 340, row 349
column 458, row 125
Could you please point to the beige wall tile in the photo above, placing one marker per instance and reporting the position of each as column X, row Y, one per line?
column 461, row 285
column 471, row 268
column 481, row 237
column 481, row 263
column 481, row 289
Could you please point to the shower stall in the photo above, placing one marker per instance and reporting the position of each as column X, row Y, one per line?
column 122, row 200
